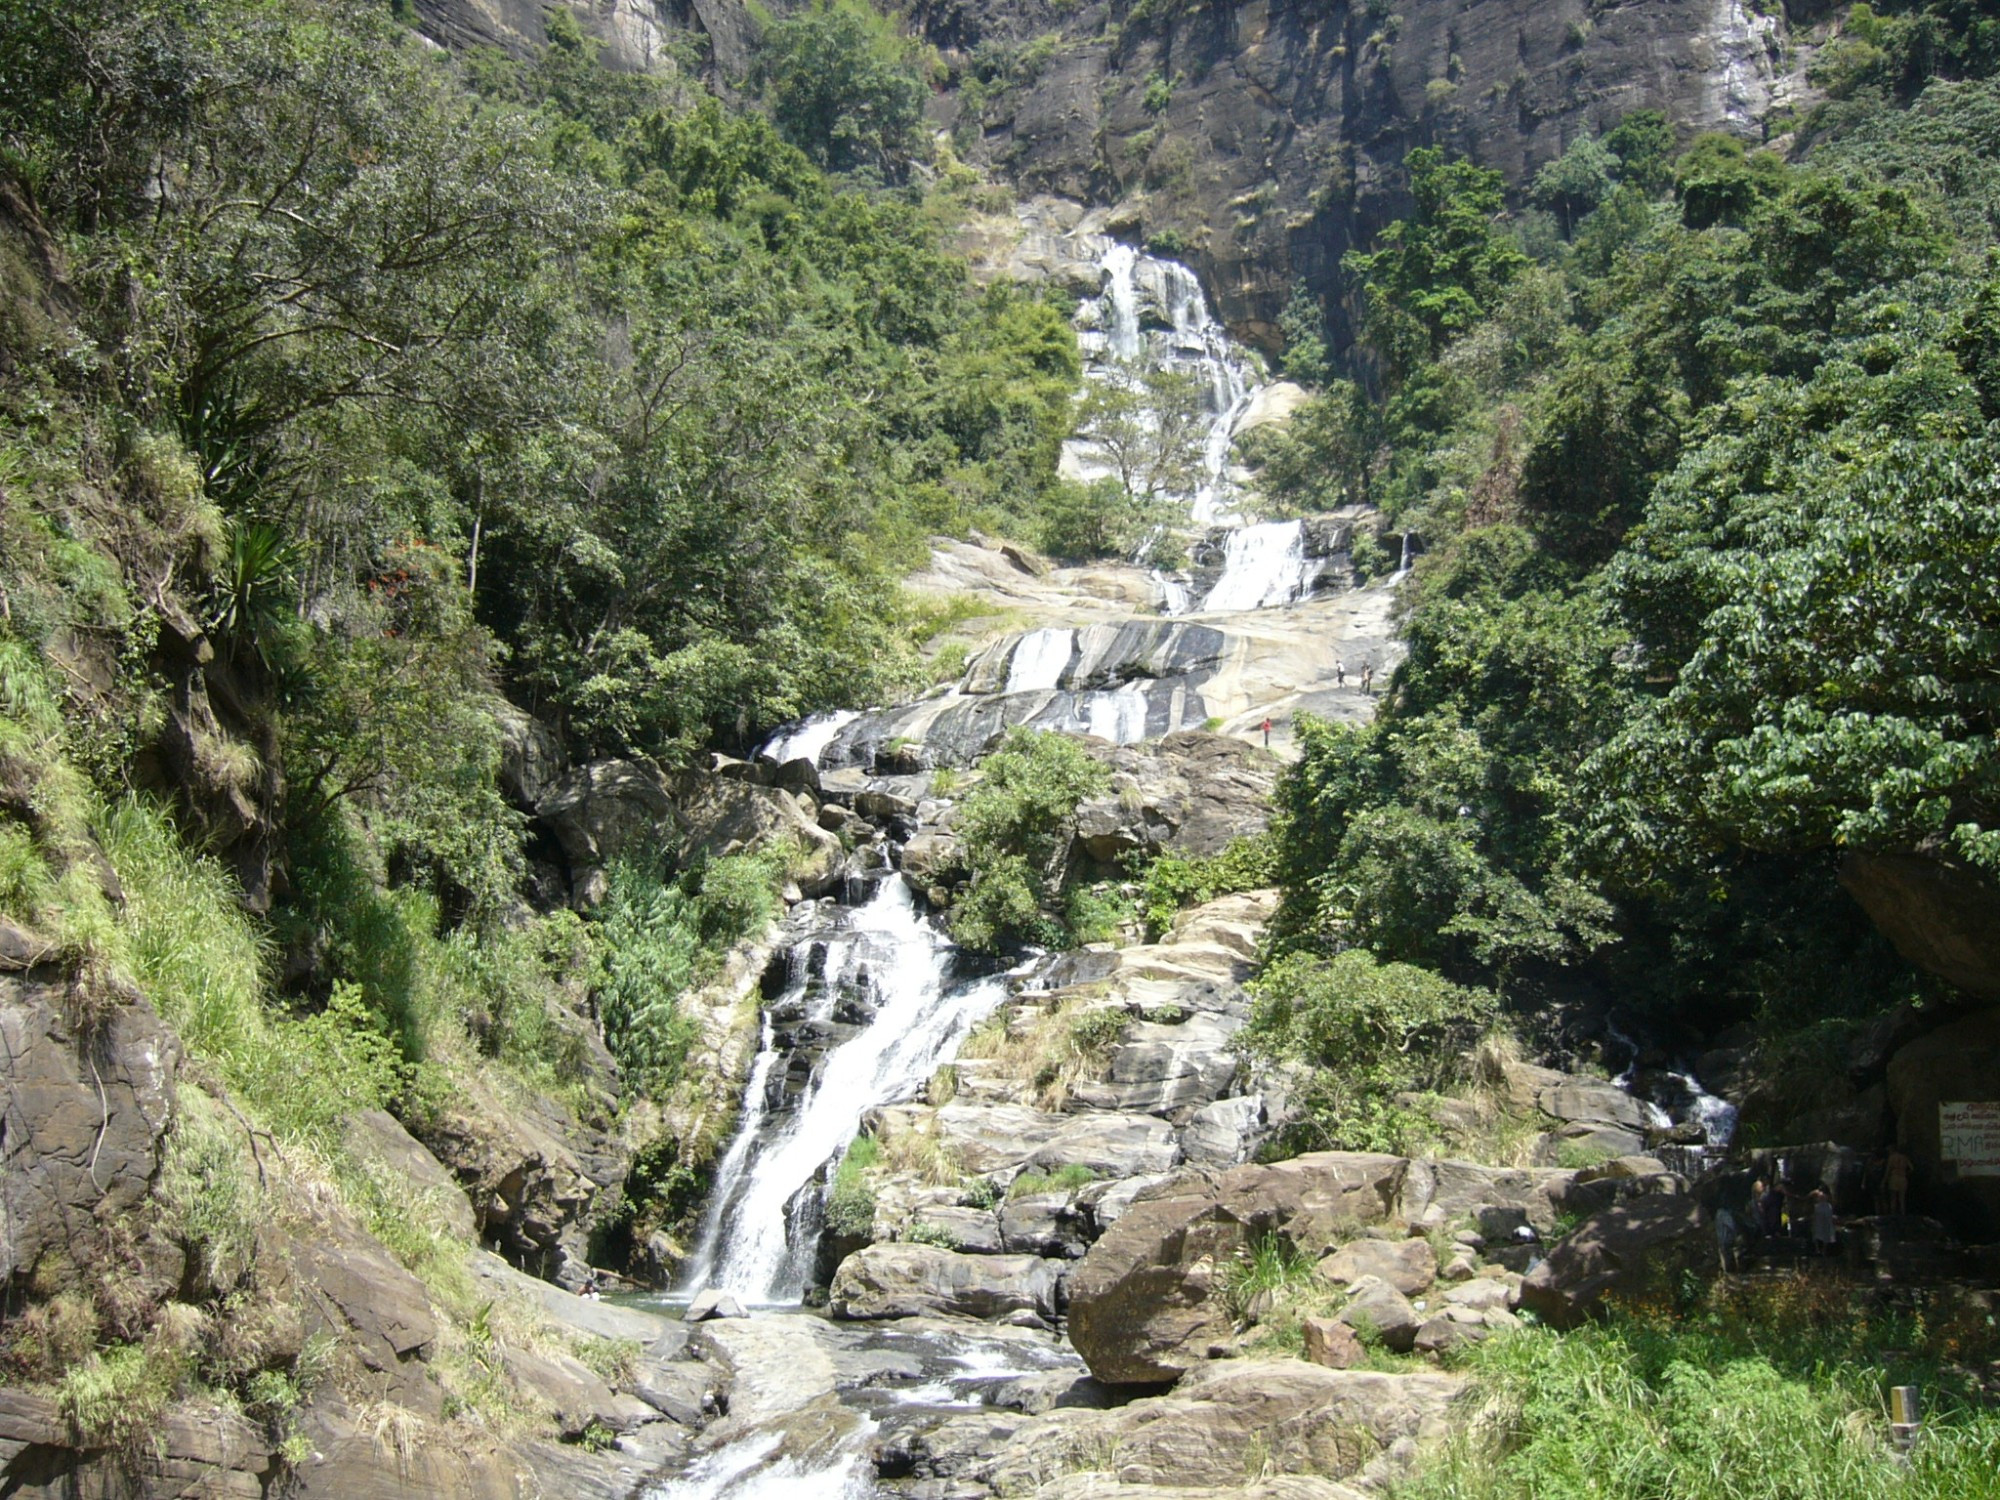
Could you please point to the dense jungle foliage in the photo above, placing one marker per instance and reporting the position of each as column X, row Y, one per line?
column 350, row 390
column 1699, row 447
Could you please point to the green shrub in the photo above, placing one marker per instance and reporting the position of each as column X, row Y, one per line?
column 1267, row 1268
column 1176, row 881
column 1365, row 1031
column 1014, row 832
column 1064, row 1179
column 850, row 1205
column 662, row 937
column 1782, row 1398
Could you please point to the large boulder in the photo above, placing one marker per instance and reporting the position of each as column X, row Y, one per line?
column 1144, row 1305
column 86, row 1113
column 597, row 811
column 1378, row 1311
column 1958, row 1063
column 1161, row 1069
column 1941, row 915
column 1110, row 1146
column 531, row 1170
column 909, row 1281
column 1226, row 1133
column 1230, row 1419
column 1624, row 1249
column 1409, row 1265
column 1190, row 792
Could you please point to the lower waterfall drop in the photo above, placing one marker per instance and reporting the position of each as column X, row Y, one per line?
column 757, row 1241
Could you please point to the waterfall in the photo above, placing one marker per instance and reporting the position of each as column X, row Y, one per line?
column 757, row 1240
column 1038, row 660
column 1263, row 565
column 1120, row 340
column 1121, row 293
column 1118, row 715
column 807, row 739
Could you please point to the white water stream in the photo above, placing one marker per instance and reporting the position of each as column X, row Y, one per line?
column 807, row 739
column 1038, row 661
column 1264, row 565
column 1152, row 314
column 757, row 1239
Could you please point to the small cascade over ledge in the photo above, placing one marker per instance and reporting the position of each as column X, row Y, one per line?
column 873, row 1004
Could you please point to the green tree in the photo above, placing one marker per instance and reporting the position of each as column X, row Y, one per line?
column 840, row 91
column 1014, row 831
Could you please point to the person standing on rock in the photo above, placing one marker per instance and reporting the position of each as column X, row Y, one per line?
column 1339, row 673
column 1727, row 1233
column 1368, row 679
column 1267, row 731
column 1896, row 1178
column 1824, row 1235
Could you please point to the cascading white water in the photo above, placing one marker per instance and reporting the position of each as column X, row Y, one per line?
column 750, row 1245
column 1117, row 714
column 755, row 1107
column 807, row 739
column 1038, row 660
column 1121, row 292
column 1120, row 346
column 1263, row 566
column 1715, row 1115
column 740, row 1471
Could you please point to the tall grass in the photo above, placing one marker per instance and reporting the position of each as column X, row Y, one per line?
column 1775, row 1394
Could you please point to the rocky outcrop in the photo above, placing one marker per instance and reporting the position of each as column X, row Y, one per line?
column 90, row 1094
column 904, row 1281
column 1189, row 793
column 1235, row 1417
column 1408, row 1265
column 377, row 1138
column 597, row 811
column 1942, row 916
column 1957, row 1063
column 532, row 1172
column 1625, row 1249
column 1233, row 156
column 1146, row 1305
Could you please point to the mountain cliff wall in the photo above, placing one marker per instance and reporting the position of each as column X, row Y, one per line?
column 1266, row 136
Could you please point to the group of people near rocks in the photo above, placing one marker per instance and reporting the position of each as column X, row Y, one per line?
column 1367, row 676
column 1783, row 1217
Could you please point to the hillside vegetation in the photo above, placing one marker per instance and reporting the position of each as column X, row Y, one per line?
column 1701, row 458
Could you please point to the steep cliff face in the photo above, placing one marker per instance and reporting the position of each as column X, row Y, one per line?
column 1270, row 134
column 1267, row 135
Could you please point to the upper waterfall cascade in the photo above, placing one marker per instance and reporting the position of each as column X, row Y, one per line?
column 1152, row 312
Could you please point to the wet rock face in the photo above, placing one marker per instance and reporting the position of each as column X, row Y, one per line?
column 87, row 1109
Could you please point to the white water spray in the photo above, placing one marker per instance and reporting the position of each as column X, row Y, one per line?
column 756, row 1242
column 1038, row 660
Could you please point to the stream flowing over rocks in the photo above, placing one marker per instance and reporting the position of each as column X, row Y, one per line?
column 1042, row 1245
